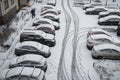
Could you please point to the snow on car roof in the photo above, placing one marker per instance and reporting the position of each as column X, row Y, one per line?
column 49, row 10
column 48, row 6
column 28, row 57
column 24, row 71
column 37, row 32
column 106, row 46
column 42, row 19
column 100, row 36
column 52, row 15
column 109, row 17
column 97, row 7
column 97, row 30
column 37, row 45
column 45, row 25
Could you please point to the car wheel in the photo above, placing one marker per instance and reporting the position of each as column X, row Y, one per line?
column 89, row 47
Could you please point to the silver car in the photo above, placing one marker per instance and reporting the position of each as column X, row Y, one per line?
column 109, row 51
column 100, row 39
column 23, row 73
column 29, row 60
column 32, row 47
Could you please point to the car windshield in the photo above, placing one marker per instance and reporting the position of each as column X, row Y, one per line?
column 29, row 48
column 110, row 51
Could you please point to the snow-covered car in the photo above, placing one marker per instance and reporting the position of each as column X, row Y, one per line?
column 46, row 7
column 92, row 5
column 47, row 28
column 109, row 20
column 32, row 47
column 51, row 2
column 23, row 73
column 39, row 21
column 97, row 31
column 107, row 13
column 29, row 60
column 100, row 39
column 39, row 36
column 52, row 11
column 109, row 51
column 52, row 17
column 96, row 10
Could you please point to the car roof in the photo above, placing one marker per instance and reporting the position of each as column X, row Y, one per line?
column 28, row 57
column 48, row 6
column 100, row 36
column 106, row 46
column 53, row 10
column 34, row 32
column 42, row 19
column 49, row 14
column 45, row 25
column 110, row 17
column 35, row 44
column 24, row 71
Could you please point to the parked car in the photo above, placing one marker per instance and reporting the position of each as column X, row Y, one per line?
column 46, row 7
column 28, row 60
column 52, row 11
column 47, row 28
column 39, row 21
column 100, row 39
column 97, row 31
column 32, row 47
column 107, row 13
column 118, row 29
column 109, row 51
column 109, row 20
column 52, row 17
column 39, row 36
column 95, row 10
column 92, row 5
column 51, row 2
column 23, row 73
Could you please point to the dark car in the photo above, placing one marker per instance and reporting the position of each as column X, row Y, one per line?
column 104, row 14
column 96, row 10
column 118, row 29
column 29, row 60
column 32, row 47
column 39, row 36
column 47, row 28
column 112, row 20
column 92, row 5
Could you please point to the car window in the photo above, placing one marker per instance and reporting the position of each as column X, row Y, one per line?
column 114, row 19
column 106, row 40
column 100, row 40
column 110, row 51
column 44, row 22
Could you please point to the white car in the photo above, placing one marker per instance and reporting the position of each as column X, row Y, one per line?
column 46, row 7
column 29, row 60
column 100, row 39
column 97, row 31
column 23, row 73
column 109, row 51
column 39, row 21
column 52, row 11
column 52, row 17
column 32, row 47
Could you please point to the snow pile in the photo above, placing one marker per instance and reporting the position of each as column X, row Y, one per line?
column 108, row 70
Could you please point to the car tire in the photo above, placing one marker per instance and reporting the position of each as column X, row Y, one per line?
column 89, row 47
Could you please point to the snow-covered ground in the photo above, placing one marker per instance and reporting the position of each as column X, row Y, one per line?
column 85, row 62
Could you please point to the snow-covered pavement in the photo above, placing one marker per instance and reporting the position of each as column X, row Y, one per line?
column 70, row 46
